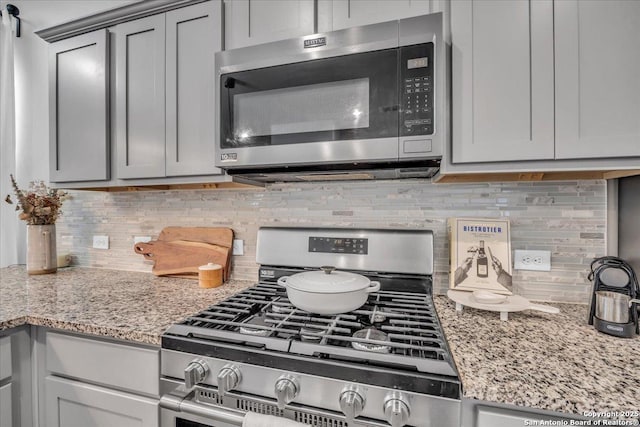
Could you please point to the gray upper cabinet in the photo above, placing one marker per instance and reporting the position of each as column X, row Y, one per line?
column 78, row 107
column 140, row 98
column 251, row 22
column 352, row 13
column 165, row 93
column 193, row 36
column 502, row 80
column 597, row 65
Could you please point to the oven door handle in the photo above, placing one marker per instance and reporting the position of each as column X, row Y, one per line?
column 177, row 404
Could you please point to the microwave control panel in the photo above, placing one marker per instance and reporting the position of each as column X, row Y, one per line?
column 416, row 78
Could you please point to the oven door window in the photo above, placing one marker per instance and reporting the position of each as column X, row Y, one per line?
column 342, row 98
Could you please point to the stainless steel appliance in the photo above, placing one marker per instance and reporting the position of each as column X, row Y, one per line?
column 386, row 363
column 365, row 102
column 613, row 303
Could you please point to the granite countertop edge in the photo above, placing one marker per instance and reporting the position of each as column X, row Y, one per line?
column 125, row 305
column 552, row 362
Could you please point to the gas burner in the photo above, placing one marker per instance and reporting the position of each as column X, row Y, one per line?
column 256, row 326
column 371, row 340
column 280, row 307
column 378, row 315
column 311, row 333
column 248, row 330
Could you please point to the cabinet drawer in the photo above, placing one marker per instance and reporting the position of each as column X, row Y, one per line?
column 5, row 358
column 121, row 366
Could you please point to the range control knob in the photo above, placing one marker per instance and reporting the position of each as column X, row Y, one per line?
column 195, row 373
column 396, row 409
column 286, row 389
column 229, row 378
column 352, row 402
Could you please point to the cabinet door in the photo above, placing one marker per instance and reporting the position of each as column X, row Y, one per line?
column 6, row 419
column 194, row 34
column 502, row 80
column 72, row 403
column 140, row 102
column 597, row 59
column 5, row 358
column 487, row 416
column 250, row 22
column 78, row 108
column 351, row 13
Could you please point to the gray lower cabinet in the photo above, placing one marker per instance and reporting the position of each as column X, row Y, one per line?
column 597, row 64
column 97, row 382
column 6, row 419
column 15, row 378
column 165, row 93
column 5, row 358
column 487, row 416
column 251, row 22
column 479, row 413
column 72, row 403
column 79, row 106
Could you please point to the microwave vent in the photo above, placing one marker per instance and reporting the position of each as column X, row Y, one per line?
column 335, row 177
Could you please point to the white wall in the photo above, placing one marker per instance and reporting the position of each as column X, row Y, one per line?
column 31, row 91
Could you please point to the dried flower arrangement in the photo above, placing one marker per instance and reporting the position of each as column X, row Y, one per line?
column 40, row 205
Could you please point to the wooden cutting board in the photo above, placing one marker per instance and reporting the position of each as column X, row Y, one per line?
column 179, row 251
column 214, row 235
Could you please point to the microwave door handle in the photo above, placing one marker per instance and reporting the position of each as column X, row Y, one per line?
column 229, row 84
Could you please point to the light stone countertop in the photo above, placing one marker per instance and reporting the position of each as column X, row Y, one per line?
column 127, row 305
column 555, row 362
column 547, row 361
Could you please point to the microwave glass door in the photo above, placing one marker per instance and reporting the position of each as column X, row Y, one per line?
column 342, row 98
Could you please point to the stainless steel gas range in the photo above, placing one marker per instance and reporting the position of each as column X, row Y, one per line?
column 256, row 352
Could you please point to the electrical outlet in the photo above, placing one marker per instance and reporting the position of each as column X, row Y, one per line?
column 141, row 239
column 238, row 247
column 101, row 242
column 532, row 260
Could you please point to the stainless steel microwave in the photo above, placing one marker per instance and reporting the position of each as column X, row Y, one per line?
column 364, row 102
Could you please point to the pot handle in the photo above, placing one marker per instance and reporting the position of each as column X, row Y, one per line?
column 632, row 301
column 282, row 281
column 373, row 287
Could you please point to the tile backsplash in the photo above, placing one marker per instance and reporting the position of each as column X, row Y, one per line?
column 566, row 218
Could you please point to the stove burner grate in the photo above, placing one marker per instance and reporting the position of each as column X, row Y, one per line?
column 263, row 316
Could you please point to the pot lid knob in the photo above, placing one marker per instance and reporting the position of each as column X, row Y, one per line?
column 328, row 269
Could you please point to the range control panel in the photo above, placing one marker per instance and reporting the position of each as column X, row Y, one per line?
column 339, row 245
column 416, row 105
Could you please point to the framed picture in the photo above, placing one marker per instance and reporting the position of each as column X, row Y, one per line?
column 480, row 255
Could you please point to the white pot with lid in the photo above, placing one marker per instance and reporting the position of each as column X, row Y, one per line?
column 328, row 291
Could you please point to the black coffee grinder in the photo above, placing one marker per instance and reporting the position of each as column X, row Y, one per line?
column 615, row 287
